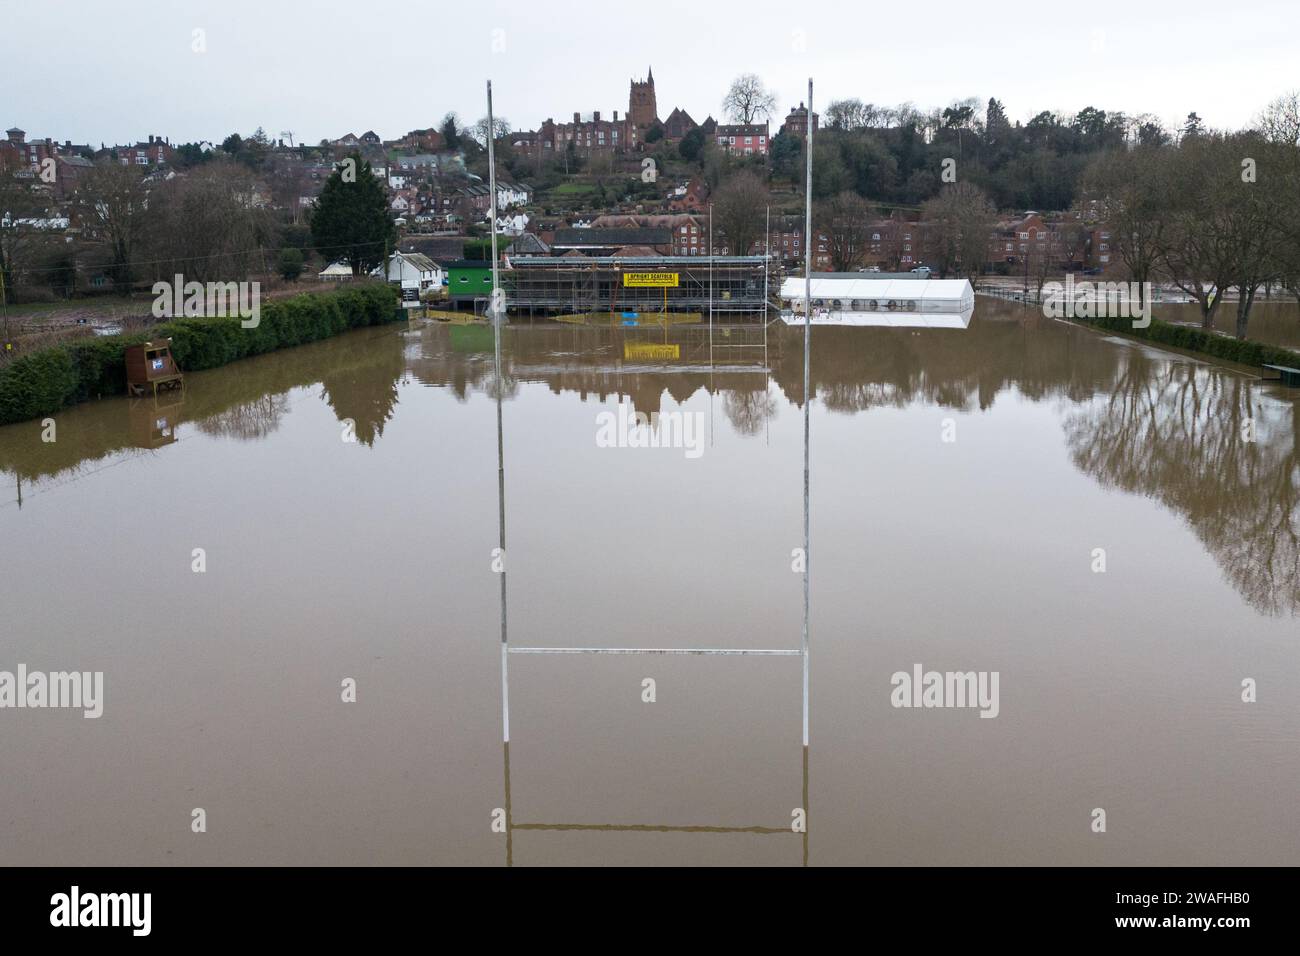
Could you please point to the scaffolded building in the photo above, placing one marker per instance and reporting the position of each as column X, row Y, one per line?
column 636, row 286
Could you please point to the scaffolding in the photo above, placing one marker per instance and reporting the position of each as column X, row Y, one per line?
column 603, row 284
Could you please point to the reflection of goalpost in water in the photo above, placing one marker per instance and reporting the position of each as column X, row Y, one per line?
column 497, row 316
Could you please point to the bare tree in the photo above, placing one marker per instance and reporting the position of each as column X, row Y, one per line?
column 960, row 218
column 20, row 239
column 1208, row 219
column 845, row 220
column 738, row 210
column 208, row 226
column 480, row 130
column 1279, row 122
column 112, row 203
column 748, row 100
column 848, row 114
column 1132, row 187
column 1074, row 233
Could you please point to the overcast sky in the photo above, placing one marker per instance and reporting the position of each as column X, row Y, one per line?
column 117, row 70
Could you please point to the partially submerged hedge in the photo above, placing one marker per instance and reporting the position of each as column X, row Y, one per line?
column 1206, row 343
column 45, row 381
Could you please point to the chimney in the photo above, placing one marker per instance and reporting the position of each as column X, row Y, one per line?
column 595, row 117
column 615, row 116
column 576, row 118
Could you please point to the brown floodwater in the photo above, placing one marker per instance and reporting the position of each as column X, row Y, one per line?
column 1273, row 321
column 961, row 482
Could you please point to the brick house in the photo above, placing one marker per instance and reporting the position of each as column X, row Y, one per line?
column 796, row 124
column 742, row 139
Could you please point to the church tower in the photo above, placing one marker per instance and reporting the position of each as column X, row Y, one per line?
column 641, row 108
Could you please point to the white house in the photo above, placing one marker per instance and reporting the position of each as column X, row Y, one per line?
column 512, row 194
column 415, row 273
column 515, row 225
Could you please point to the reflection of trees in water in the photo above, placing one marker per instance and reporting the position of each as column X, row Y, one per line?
column 366, row 391
column 748, row 410
column 247, row 420
column 855, row 369
column 1174, row 431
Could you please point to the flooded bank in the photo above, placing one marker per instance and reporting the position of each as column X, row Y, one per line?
column 343, row 496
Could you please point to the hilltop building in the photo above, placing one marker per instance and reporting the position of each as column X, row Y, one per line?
column 589, row 133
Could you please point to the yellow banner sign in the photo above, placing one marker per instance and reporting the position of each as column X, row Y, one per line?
column 653, row 280
column 649, row 350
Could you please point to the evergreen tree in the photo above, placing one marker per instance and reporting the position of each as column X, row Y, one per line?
column 350, row 219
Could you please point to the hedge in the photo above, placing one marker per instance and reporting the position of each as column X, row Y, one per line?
column 1192, row 339
column 45, row 381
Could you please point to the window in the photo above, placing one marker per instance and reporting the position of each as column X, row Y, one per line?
column 875, row 237
column 1024, row 235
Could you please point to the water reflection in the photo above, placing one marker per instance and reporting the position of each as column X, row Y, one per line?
column 247, row 421
column 748, row 413
column 1180, row 432
column 1146, row 422
column 247, row 401
column 511, row 826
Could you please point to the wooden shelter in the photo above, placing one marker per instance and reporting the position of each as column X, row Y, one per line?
column 150, row 366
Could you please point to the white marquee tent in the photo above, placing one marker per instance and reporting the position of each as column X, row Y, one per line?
column 857, row 299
